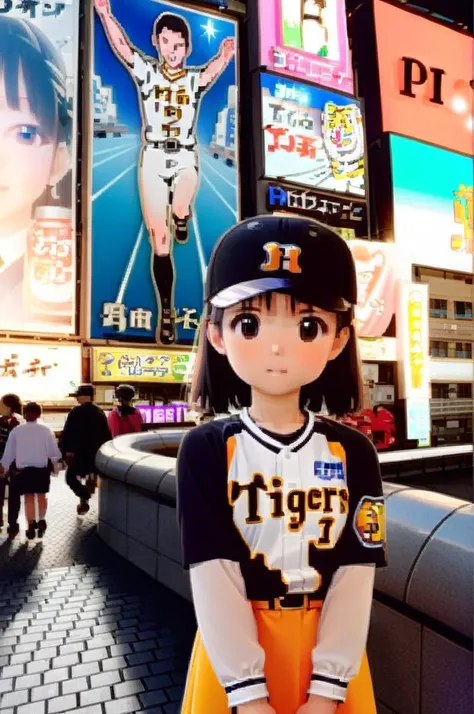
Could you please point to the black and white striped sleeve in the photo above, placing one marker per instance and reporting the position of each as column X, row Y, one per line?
column 343, row 629
column 228, row 630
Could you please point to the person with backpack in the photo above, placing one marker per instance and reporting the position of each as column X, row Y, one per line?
column 10, row 417
column 125, row 419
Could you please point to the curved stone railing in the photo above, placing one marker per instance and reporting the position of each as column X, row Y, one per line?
column 420, row 643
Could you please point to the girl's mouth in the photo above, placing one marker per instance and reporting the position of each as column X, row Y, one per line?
column 277, row 372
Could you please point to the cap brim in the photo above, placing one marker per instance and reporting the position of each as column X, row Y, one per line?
column 245, row 291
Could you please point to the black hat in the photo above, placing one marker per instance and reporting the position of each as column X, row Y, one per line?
column 125, row 391
column 84, row 390
column 275, row 252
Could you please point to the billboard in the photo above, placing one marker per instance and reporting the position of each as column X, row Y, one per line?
column 306, row 39
column 426, row 72
column 312, row 136
column 40, row 373
column 378, row 349
column 116, row 364
column 433, row 206
column 336, row 211
column 165, row 151
column 38, row 104
column 377, row 285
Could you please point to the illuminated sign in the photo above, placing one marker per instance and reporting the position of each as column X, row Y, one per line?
column 312, row 136
column 433, row 206
column 306, row 39
column 42, row 373
column 419, row 421
column 376, row 286
column 426, row 78
column 382, row 349
column 163, row 414
column 164, row 151
column 38, row 166
column 413, row 340
column 335, row 211
column 116, row 364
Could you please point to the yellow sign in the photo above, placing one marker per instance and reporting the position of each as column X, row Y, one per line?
column 413, row 330
column 120, row 364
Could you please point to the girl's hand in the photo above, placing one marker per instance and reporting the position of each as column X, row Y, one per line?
column 258, row 706
column 318, row 705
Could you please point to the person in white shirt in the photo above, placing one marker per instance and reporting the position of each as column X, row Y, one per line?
column 31, row 450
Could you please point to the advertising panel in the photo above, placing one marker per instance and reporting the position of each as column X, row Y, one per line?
column 426, row 73
column 433, row 205
column 377, row 286
column 413, row 339
column 40, row 373
column 38, row 105
column 116, row 364
column 419, row 421
column 312, row 136
column 381, row 349
column 165, row 151
column 161, row 414
column 306, row 39
column 338, row 212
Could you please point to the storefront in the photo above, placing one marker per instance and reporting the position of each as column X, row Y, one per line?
column 160, row 378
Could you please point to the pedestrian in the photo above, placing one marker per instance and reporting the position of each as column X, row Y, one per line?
column 273, row 502
column 125, row 419
column 84, row 432
column 31, row 451
column 10, row 417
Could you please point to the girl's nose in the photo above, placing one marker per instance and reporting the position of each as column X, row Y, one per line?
column 276, row 349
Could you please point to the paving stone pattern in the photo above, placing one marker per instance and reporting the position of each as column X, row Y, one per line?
column 82, row 630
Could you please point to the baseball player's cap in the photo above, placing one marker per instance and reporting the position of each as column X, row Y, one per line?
column 84, row 390
column 274, row 252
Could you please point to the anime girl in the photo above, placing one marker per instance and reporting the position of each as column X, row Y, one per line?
column 35, row 127
column 314, row 30
column 268, row 498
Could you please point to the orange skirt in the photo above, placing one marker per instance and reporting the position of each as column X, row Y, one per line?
column 288, row 638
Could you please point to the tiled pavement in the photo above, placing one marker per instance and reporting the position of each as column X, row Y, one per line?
column 81, row 630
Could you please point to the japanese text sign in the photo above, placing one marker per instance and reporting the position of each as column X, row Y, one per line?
column 40, row 372
column 114, row 364
column 306, row 39
column 413, row 340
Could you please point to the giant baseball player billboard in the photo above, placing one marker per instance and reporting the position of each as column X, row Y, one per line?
column 165, row 177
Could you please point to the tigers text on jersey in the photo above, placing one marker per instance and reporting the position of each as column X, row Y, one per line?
column 291, row 514
column 169, row 101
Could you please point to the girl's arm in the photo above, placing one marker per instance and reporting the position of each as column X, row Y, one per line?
column 228, row 630
column 343, row 630
column 53, row 450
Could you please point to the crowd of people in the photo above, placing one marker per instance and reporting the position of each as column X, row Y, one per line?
column 30, row 452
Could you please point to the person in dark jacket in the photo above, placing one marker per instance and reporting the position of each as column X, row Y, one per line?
column 10, row 417
column 84, row 432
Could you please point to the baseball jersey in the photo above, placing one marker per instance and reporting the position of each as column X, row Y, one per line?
column 169, row 100
column 290, row 510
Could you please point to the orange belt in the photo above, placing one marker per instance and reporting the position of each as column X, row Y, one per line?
column 300, row 601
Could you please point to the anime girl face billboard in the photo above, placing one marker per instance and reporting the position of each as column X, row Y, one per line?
column 38, row 48
column 376, row 286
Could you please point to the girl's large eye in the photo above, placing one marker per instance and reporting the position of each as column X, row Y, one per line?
column 27, row 134
column 247, row 325
column 311, row 328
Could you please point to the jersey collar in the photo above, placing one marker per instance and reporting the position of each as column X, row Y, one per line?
column 277, row 445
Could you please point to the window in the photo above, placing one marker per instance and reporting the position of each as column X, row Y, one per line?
column 439, row 391
column 465, row 391
column 438, row 348
column 463, row 350
column 462, row 310
column 438, row 308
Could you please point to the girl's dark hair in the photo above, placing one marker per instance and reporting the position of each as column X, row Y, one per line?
column 13, row 402
column 25, row 50
column 215, row 385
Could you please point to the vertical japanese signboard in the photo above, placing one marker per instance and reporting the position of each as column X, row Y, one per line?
column 165, row 176
column 38, row 100
column 306, row 39
column 413, row 342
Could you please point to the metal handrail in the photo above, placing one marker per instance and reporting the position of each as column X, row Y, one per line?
column 441, row 407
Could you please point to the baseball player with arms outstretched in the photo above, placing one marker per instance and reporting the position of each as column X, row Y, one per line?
column 170, row 94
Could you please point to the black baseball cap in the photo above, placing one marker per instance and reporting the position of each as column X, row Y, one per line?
column 84, row 390
column 275, row 252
